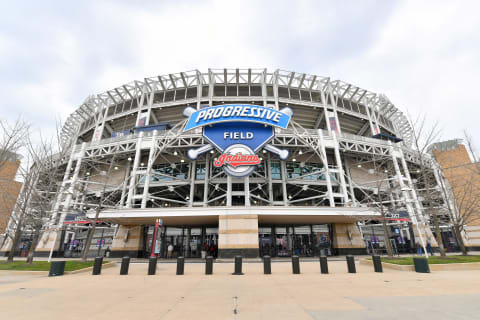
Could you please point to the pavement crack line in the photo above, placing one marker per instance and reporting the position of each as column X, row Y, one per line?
column 182, row 298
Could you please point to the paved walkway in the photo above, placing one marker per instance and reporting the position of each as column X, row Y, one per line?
column 282, row 295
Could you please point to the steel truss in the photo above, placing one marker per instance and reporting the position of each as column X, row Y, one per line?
column 328, row 183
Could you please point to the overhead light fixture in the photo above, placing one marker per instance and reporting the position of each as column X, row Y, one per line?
column 264, row 151
column 88, row 173
column 300, row 152
column 175, row 153
column 289, row 197
column 211, row 151
column 115, row 168
column 182, row 161
column 142, row 164
column 359, row 165
column 294, row 159
column 187, row 198
column 129, row 159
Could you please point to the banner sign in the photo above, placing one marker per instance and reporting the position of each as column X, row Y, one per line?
column 237, row 112
column 238, row 131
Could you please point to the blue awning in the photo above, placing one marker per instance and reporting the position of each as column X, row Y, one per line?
column 383, row 136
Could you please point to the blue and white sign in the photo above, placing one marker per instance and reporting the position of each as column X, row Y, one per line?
column 253, row 135
column 238, row 131
column 237, row 112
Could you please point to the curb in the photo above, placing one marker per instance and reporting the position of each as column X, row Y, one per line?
column 433, row 267
column 45, row 273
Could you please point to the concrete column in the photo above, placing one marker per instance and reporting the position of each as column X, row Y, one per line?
column 59, row 197
column 124, row 187
column 127, row 242
column 347, row 239
column 133, row 176
column 238, row 235
column 146, row 185
column 246, row 187
column 341, row 173
column 73, row 182
column 229, row 191
column 193, row 173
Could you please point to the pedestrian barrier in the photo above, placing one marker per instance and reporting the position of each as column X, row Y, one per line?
column 323, row 264
column 238, row 265
column 295, row 265
column 125, row 265
column 180, row 265
column 209, row 265
column 97, row 266
column 351, row 264
column 377, row 263
column 267, row 265
column 57, row 268
column 152, row 266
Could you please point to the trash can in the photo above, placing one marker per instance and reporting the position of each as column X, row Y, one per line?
column 57, row 268
column 421, row 265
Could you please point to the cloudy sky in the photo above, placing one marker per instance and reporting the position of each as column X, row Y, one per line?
column 424, row 55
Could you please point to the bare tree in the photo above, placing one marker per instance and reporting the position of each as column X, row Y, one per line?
column 423, row 136
column 12, row 139
column 378, row 192
column 39, row 174
column 101, row 203
column 463, row 185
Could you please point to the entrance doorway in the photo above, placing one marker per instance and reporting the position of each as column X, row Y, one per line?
column 301, row 240
column 186, row 241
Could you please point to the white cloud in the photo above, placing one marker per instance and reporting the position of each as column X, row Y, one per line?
column 422, row 55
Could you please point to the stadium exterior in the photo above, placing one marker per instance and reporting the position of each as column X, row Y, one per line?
column 315, row 181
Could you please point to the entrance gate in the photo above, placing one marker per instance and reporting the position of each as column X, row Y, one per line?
column 186, row 241
column 288, row 240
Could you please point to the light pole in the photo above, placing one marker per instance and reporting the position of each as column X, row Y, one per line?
column 158, row 223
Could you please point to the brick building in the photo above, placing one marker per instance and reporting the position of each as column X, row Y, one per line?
column 463, row 175
column 9, row 189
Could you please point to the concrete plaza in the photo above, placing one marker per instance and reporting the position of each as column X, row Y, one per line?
column 281, row 295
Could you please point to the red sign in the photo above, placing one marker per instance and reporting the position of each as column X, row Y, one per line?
column 236, row 160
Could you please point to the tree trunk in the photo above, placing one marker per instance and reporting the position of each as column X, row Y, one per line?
column 90, row 235
column 31, row 251
column 439, row 238
column 16, row 238
column 461, row 244
column 387, row 237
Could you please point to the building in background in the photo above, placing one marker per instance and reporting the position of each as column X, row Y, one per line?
column 463, row 177
column 240, row 161
column 9, row 190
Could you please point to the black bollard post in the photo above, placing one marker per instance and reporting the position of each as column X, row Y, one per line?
column 124, row 266
column 209, row 265
column 295, row 265
column 238, row 265
column 152, row 266
column 351, row 264
column 267, row 265
column 323, row 264
column 97, row 266
column 180, row 265
column 377, row 263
